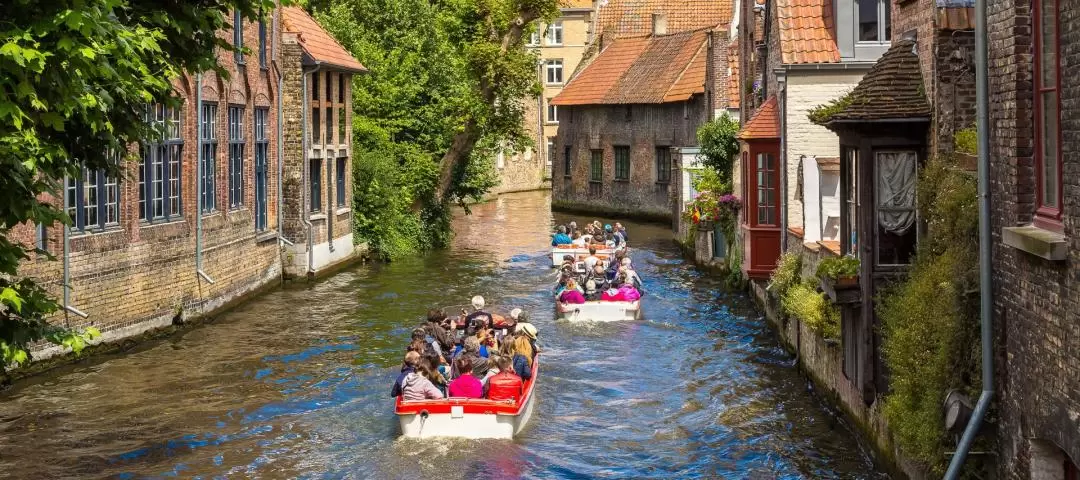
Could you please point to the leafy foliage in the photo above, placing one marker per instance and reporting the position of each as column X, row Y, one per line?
column 709, row 180
column 75, row 77
column 437, row 72
column 787, row 273
column 821, row 114
column 835, row 267
column 929, row 322
column 967, row 141
column 803, row 301
column 720, row 146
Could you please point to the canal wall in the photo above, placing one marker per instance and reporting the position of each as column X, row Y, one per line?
column 822, row 361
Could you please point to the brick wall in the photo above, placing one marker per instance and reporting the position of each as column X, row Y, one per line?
column 642, row 128
column 1037, row 302
column 137, row 275
column 954, row 88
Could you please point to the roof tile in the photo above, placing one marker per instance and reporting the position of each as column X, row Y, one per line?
column 733, row 75
column 892, row 89
column 764, row 124
column 806, row 31
column 634, row 17
column 316, row 42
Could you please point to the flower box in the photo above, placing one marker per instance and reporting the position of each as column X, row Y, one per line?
column 842, row 290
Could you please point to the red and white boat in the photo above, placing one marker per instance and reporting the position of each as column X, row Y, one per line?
column 600, row 311
column 468, row 417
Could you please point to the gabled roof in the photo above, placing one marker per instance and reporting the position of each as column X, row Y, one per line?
column 806, row 32
column 891, row 90
column 764, row 124
column 634, row 17
column 319, row 47
column 652, row 69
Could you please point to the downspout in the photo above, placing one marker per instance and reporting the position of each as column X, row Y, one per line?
column 280, row 141
column 67, row 264
column 199, row 183
column 781, row 83
column 304, row 193
column 986, row 301
column 540, row 140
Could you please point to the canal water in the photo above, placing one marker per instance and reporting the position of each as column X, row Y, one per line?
column 296, row 383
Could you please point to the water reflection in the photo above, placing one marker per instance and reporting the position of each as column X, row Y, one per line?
column 295, row 384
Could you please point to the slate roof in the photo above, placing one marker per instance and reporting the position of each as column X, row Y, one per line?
column 891, row 90
column 651, row 69
column 764, row 124
column 634, row 17
column 806, row 32
column 319, row 46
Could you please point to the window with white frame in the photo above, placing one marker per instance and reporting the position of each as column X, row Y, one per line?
column 238, row 36
column 208, row 143
column 160, row 167
column 552, row 112
column 873, row 17
column 554, row 34
column 534, row 38
column 93, row 200
column 550, row 151
column 262, row 148
column 236, row 157
column 554, row 71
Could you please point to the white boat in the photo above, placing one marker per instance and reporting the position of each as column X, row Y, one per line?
column 600, row 311
column 579, row 253
column 467, row 417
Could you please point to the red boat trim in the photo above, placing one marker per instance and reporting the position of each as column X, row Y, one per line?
column 481, row 406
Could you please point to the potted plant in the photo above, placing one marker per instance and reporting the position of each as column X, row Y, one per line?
column 840, row 278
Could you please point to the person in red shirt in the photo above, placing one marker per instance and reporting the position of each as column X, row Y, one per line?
column 505, row 385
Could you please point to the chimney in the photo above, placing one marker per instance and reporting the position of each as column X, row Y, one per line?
column 659, row 24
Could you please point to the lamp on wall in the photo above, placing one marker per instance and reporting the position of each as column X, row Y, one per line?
column 957, row 409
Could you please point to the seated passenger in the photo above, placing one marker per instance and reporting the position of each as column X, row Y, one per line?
column 529, row 331
column 478, row 315
column 572, row 293
column 506, row 385
column 612, row 295
column 591, row 293
column 408, row 366
column 629, row 293
column 522, row 327
column 523, row 357
column 417, row 387
column 466, row 385
column 471, row 350
column 434, row 328
column 492, row 370
column 560, row 238
column 430, row 369
column 572, row 229
column 592, row 259
column 577, row 240
column 613, row 265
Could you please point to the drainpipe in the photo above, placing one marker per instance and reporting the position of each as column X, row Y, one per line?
column 986, row 301
column 781, row 98
column 306, row 215
column 199, row 183
column 67, row 264
column 280, row 154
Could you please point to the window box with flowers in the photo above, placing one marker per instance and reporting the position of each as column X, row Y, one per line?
column 839, row 278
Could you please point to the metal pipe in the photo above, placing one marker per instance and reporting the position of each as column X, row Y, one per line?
column 199, row 180
column 986, row 301
column 67, row 256
column 782, row 100
column 280, row 153
column 304, row 194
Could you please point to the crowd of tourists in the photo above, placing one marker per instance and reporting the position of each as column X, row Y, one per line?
column 596, row 279
column 475, row 355
column 594, row 234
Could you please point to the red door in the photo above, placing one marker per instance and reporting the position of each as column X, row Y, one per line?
column 762, row 219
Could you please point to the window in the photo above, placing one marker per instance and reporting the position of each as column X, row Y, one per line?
column 874, row 24
column 339, row 176
column 238, row 37
column 160, row 168
column 315, row 175
column 316, row 127
column 1048, row 113
column 315, row 86
column 554, row 34
column 262, row 149
column 93, row 200
column 766, row 189
column 567, row 160
column 849, row 188
column 596, row 166
column 330, row 125
column 897, row 231
column 550, row 151
column 342, row 137
column 534, row 38
column 41, row 238
column 262, row 40
column 208, row 143
column 329, row 88
column 341, row 88
column 236, row 157
column 552, row 112
column 622, row 163
column 554, row 71
column 663, row 165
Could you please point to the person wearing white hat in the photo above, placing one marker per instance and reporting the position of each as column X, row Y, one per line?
column 479, row 315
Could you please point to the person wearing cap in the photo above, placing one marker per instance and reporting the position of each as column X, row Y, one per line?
column 478, row 314
column 560, row 237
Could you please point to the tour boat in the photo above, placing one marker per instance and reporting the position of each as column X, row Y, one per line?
column 600, row 311
column 468, row 417
column 579, row 253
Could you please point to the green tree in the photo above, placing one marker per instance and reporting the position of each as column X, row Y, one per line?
column 445, row 92
column 75, row 76
column 720, row 145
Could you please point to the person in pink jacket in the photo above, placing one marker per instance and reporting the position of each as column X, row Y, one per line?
column 572, row 294
column 466, row 385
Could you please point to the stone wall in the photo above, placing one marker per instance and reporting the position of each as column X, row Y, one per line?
column 1037, row 302
column 136, row 275
column 641, row 127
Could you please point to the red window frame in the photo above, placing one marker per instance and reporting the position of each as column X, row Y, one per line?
column 1046, row 216
column 754, row 189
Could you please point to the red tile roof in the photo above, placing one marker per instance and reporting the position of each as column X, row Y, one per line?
column 733, row 74
column 575, row 3
column 764, row 124
column 316, row 42
column 652, row 69
column 806, row 31
column 634, row 17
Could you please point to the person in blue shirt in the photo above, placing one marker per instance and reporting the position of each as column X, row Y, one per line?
column 561, row 238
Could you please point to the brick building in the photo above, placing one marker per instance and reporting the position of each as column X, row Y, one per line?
column 1035, row 205
column 194, row 221
column 317, row 161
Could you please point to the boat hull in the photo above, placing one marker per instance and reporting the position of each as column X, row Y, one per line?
column 467, row 417
column 599, row 311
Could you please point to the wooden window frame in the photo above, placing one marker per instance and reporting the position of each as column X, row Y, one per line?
column 341, row 168
column 663, row 165
column 1046, row 216
column 238, row 37
column 208, row 145
column 261, row 124
column 568, row 159
column 237, row 142
column 622, row 176
column 315, row 181
column 754, row 189
column 165, row 150
column 596, row 166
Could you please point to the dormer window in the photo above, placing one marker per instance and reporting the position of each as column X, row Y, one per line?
column 863, row 29
column 874, row 22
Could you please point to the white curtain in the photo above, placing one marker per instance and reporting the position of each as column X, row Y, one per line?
column 896, row 190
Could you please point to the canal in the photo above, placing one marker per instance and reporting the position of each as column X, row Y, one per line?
column 296, row 383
